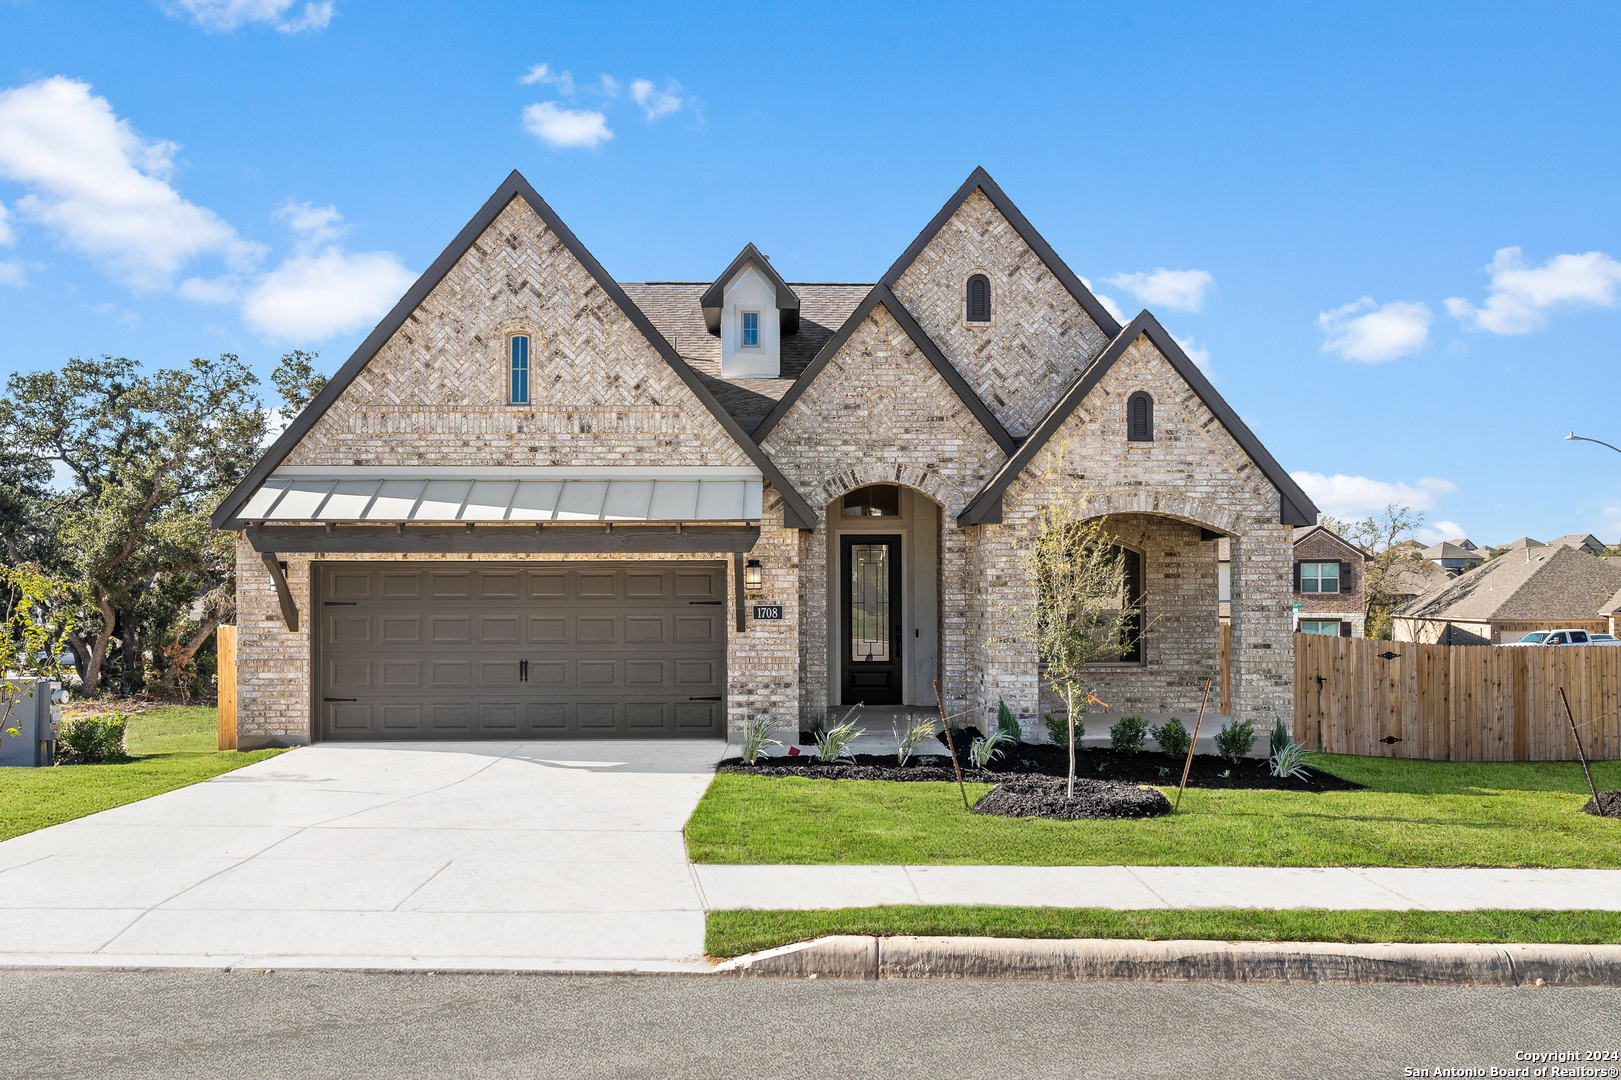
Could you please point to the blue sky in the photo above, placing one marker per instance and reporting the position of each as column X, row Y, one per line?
column 1390, row 232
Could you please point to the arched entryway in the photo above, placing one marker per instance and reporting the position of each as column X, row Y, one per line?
column 883, row 597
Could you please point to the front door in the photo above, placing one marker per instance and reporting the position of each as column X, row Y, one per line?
column 870, row 570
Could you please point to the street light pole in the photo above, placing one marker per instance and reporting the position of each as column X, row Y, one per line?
column 1573, row 437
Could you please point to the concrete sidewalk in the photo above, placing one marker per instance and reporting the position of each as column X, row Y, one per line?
column 1124, row 887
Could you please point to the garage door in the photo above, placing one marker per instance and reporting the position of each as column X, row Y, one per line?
column 532, row 651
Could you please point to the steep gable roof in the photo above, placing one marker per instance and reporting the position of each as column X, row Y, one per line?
column 1295, row 507
column 797, row 513
column 1304, row 531
column 880, row 294
column 981, row 180
column 714, row 297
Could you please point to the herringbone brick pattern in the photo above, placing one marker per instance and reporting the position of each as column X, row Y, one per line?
column 1039, row 339
column 436, row 392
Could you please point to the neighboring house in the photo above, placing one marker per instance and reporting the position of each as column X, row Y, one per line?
column 1416, row 577
column 537, row 503
column 1454, row 556
column 1329, row 583
column 1581, row 541
column 1611, row 608
column 1544, row 587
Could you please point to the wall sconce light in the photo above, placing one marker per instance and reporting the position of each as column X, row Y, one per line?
column 753, row 576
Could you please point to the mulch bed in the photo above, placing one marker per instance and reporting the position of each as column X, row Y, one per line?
column 1045, row 797
column 1045, row 759
column 1608, row 804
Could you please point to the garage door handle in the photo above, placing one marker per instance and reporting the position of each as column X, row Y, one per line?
column 715, row 698
column 339, row 603
column 340, row 699
column 715, row 603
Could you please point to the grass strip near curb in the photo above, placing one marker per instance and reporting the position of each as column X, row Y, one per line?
column 733, row 933
column 1412, row 813
column 170, row 747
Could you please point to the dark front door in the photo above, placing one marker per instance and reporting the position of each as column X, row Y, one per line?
column 870, row 603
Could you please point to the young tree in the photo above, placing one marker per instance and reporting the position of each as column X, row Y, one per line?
column 29, row 644
column 1079, row 613
column 1388, row 538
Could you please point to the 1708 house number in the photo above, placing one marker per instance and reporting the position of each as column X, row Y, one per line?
column 768, row 611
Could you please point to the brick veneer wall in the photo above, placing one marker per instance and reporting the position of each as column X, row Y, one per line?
column 1039, row 339
column 880, row 413
column 435, row 393
column 1192, row 474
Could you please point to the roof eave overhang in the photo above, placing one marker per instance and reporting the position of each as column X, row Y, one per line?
column 1295, row 508
column 797, row 513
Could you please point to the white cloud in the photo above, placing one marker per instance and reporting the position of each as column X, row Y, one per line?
column 1521, row 295
column 1199, row 354
column 1441, row 530
column 12, row 274
column 565, row 127
column 227, row 15
column 1108, row 303
column 655, row 103
column 608, row 87
column 102, row 189
column 1357, row 496
column 320, row 290
column 542, row 73
column 220, row 290
column 1372, row 333
column 1178, row 290
column 7, row 237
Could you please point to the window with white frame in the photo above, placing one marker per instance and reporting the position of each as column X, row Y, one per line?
column 1320, row 577
column 518, row 370
column 750, row 330
column 1327, row 628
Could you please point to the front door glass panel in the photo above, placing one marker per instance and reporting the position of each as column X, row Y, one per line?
column 869, row 603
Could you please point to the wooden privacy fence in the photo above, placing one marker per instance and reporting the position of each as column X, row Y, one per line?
column 1455, row 702
column 225, row 646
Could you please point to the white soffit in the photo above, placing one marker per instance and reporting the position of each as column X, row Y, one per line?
column 430, row 496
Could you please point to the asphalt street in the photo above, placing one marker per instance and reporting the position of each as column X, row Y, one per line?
column 312, row 1025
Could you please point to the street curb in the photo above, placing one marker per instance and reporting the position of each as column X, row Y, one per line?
column 1101, row 960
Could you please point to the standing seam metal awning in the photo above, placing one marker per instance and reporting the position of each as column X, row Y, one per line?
column 317, row 499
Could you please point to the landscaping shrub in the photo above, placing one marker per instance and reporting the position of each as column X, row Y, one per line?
column 1172, row 737
column 833, row 744
column 756, row 737
column 1286, row 757
column 918, row 729
column 1006, row 724
column 1235, row 740
column 92, row 740
column 1127, row 736
column 983, row 749
column 1058, row 731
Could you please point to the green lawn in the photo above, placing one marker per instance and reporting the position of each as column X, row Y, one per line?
column 733, row 933
column 171, row 747
column 1413, row 813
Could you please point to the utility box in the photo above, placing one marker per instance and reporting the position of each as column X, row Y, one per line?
column 36, row 714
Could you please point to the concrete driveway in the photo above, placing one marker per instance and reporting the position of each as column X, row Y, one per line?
column 552, row 856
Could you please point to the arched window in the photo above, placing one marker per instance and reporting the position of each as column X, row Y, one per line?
column 518, row 378
column 1140, row 418
column 979, row 299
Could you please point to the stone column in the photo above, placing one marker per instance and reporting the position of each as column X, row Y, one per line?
column 1262, row 646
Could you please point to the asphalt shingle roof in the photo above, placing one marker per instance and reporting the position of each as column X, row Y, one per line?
column 673, row 307
column 1540, row 583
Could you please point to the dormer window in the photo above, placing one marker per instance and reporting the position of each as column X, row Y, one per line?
column 979, row 299
column 518, row 378
column 751, row 330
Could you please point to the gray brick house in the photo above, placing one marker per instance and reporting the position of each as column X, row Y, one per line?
column 537, row 502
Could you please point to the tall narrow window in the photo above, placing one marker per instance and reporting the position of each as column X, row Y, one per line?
column 751, row 330
column 1140, row 418
column 520, row 369
column 979, row 299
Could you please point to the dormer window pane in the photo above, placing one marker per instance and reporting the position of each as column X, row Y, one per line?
column 520, row 370
column 751, row 330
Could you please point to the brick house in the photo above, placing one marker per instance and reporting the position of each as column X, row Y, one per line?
column 537, row 502
column 1541, row 587
column 1329, row 577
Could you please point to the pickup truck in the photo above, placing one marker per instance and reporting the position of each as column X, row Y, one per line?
column 1565, row 637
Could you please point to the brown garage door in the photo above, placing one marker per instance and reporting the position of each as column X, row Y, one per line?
column 531, row 651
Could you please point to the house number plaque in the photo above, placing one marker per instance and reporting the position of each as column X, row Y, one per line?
column 768, row 611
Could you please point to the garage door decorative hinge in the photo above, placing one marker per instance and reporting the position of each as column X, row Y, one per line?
column 711, row 603
column 340, row 699
column 715, row 698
